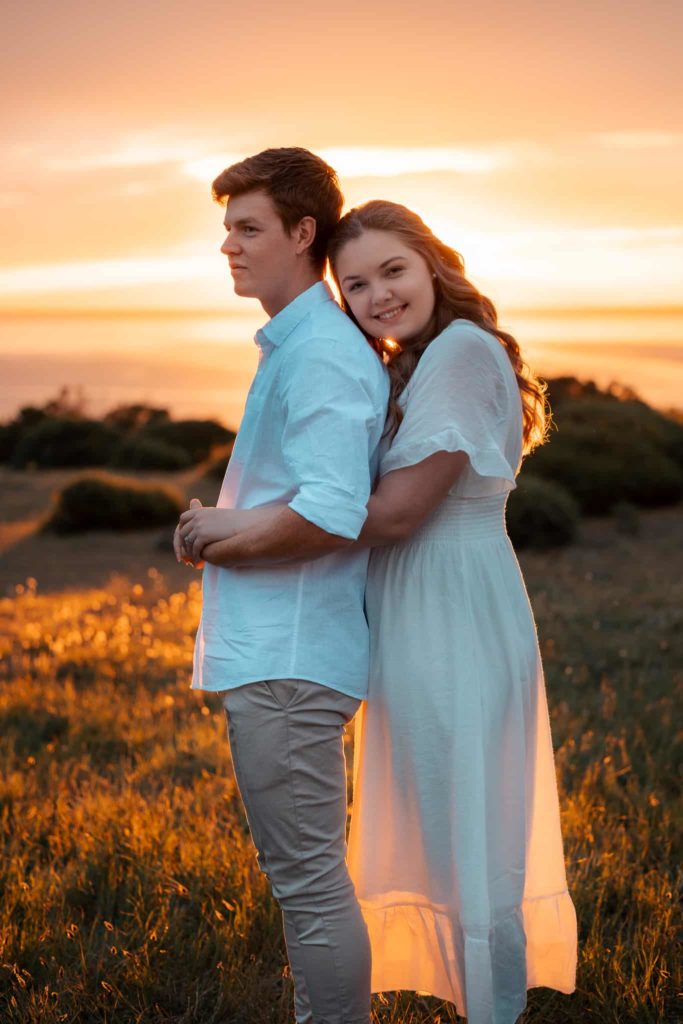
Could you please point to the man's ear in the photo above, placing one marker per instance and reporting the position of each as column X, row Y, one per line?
column 304, row 232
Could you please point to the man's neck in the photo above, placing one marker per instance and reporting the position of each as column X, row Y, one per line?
column 295, row 286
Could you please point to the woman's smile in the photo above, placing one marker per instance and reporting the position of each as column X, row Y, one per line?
column 391, row 314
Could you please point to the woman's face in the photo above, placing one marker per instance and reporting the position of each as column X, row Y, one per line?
column 388, row 286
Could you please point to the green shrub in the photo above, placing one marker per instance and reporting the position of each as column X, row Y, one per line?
column 8, row 441
column 601, row 464
column 11, row 433
column 541, row 514
column 65, row 442
column 103, row 502
column 196, row 437
column 128, row 418
column 146, row 453
column 563, row 389
column 631, row 418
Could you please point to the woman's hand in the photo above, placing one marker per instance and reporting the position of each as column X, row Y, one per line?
column 181, row 552
column 201, row 525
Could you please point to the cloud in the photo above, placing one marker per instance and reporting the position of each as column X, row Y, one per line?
column 96, row 274
column 390, row 161
column 130, row 153
column 638, row 140
column 195, row 157
column 621, row 236
column 382, row 162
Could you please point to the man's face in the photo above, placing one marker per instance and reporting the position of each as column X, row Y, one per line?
column 261, row 253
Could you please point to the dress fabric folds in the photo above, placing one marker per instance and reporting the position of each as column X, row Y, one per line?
column 455, row 846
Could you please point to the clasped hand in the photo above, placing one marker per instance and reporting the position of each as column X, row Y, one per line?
column 198, row 526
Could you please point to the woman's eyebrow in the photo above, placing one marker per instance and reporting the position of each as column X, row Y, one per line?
column 353, row 277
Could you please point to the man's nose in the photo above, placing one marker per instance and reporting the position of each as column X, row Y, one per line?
column 230, row 245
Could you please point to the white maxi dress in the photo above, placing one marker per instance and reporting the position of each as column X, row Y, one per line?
column 455, row 846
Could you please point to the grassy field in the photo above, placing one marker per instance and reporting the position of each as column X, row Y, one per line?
column 129, row 886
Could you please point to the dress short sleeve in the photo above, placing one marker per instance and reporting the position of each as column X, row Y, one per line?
column 463, row 396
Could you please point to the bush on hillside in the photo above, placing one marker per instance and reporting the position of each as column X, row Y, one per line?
column 103, row 502
column 541, row 514
column 146, row 453
column 561, row 389
column 11, row 433
column 196, row 437
column 8, row 441
column 630, row 418
column 68, row 404
column 603, row 464
column 128, row 418
column 57, row 442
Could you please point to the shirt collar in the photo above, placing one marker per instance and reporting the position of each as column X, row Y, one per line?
column 283, row 323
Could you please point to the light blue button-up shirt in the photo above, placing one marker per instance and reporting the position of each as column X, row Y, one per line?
column 309, row 437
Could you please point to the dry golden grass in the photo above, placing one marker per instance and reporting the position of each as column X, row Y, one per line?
column 130, row 890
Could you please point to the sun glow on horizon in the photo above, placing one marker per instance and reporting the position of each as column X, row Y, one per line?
column 538, row 222
column 561, row 221
column 544, row 143
column 538, row 266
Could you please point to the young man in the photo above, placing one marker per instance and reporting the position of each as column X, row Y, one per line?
column 283, row 634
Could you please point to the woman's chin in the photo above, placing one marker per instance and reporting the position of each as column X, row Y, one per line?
column 389, row 333
column 402, row 335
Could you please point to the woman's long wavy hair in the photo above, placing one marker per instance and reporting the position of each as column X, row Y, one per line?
column 455, row 297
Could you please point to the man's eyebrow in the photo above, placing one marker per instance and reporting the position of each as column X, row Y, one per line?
column 354, row 277
column 242, row 222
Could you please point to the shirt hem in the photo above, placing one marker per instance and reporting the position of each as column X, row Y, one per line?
column 269, row 677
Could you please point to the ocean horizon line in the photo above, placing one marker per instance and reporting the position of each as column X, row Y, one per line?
column 132, row 313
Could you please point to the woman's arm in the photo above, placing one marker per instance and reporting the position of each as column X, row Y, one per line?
column 287, row 537
column 400, row 504
column 405, row 497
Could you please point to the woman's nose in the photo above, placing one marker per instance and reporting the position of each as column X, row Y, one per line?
column 382, row 292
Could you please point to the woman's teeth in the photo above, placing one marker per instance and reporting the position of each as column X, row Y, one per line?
column 389, row 314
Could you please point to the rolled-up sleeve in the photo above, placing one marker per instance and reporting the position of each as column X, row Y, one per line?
column 330, row 411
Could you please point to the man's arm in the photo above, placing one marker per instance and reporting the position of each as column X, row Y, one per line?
column 287, row 537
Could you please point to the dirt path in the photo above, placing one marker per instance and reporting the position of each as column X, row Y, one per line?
column 89, row 559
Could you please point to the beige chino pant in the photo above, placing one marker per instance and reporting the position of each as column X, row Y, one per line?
column 287, row 743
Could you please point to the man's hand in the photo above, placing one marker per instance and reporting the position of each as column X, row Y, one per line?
column 202, row 525
column 182, row 552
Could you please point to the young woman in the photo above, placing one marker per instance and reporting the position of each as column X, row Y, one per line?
column 455, row 846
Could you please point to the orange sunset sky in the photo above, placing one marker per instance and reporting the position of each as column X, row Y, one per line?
column 544, row 141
